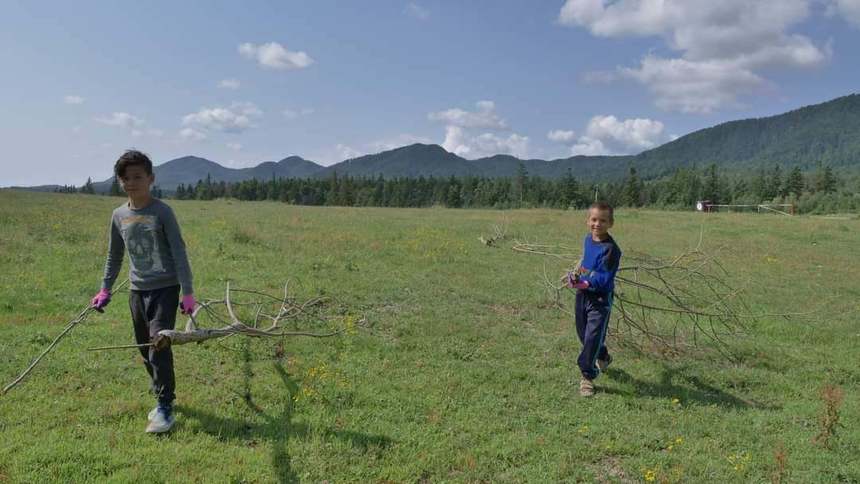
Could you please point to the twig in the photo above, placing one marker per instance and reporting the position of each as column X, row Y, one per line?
column 82, row 316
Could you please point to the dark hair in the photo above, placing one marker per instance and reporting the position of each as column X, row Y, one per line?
column 132, row 158
column 604, row 206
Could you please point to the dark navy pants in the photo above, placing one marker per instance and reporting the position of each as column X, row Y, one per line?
column 151, row 312
column 592, row 321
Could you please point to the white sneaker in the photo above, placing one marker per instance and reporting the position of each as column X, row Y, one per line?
column 586, row 387
column 161, row 422
column 152, row 414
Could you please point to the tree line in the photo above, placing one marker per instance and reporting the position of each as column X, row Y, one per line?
column 820, row 191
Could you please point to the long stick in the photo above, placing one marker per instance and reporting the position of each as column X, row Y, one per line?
column 80, row 319
column 120, row 347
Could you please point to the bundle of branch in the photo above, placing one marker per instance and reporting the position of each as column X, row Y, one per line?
column 500, row 232
column 265, row 316
column 671, row 303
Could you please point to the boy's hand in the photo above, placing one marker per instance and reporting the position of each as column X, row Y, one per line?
column 581, row 285
column 187, row 304
column 100, row 300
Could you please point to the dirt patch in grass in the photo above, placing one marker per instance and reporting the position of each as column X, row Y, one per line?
column 609, row 470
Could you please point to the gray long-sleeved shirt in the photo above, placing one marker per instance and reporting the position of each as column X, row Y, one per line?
column 156, row 251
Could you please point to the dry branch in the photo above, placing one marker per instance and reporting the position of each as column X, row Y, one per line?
column 82, row 316
column 500, row 232
column 224, row 312
column 672, row 303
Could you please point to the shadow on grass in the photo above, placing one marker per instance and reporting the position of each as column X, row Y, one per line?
column 275, row 428
column 691, row 389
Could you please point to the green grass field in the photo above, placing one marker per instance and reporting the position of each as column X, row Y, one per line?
column 465, row 373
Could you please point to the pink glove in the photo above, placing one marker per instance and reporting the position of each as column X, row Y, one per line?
column 100, row 300
column 582, row 285
column 187, row 304
column 570, row 279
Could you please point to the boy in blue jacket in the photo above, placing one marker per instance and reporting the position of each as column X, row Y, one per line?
column 594, row 281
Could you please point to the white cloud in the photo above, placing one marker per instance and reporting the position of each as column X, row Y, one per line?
column 155, row 133
column 694, row 87
column 234, row 119
column 347, row 152
column 229, row 84
column 724, row 46
column 850, row 9
column 73, row 100
column 122, row 120
column 295, row 113
column 192, row 134
column 484, row 117
column 589, row 147
column 275, row 56
column 234, row 146
column 561, row 136
column 460, row 142
column 416, row 11
column 463, row 139
column 607, row 135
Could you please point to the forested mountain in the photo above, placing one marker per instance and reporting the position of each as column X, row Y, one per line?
column 189, row 169
column 827, row 133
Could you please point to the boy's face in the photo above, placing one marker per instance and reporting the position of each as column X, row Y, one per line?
column 136, row 181
column 599, row 223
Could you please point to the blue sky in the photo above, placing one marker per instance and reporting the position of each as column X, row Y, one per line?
column 242, row 83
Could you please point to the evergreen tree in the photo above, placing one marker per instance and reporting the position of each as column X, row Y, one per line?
column 825, row 181
column 774, row 183
column 759, row 186
column 570, row 196
column 115, row 190
column 88, row 187
column 632, row 191
column 520, row 183
column 712, row 184
column 793, row 183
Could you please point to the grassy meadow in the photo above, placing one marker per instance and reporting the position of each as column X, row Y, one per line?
column 464, row 372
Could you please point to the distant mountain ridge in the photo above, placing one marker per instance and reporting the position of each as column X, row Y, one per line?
column 187, row 170
column 828, row 132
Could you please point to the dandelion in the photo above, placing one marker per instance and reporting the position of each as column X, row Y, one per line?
column 650, row 475
column 739, row 460
column 583, row 429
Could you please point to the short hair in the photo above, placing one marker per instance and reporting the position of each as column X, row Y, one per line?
column 604, row 206
column 132, row 158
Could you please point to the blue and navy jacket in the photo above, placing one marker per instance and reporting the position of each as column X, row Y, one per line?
column 600, row 261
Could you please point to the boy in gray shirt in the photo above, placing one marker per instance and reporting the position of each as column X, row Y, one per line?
column 158, row 269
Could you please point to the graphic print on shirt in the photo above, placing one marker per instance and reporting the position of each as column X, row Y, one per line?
column 139, row 232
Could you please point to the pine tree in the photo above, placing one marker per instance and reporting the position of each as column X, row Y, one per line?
column 632, row 191
column 793, row 183
column 115, row 190
column 88, row 187
column 825, row 181
column 774, row 183
column 712, row 184
column 520, row 183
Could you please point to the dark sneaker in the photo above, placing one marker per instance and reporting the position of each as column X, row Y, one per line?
column 602, row 365
column 586, row 387
column 161, row 422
